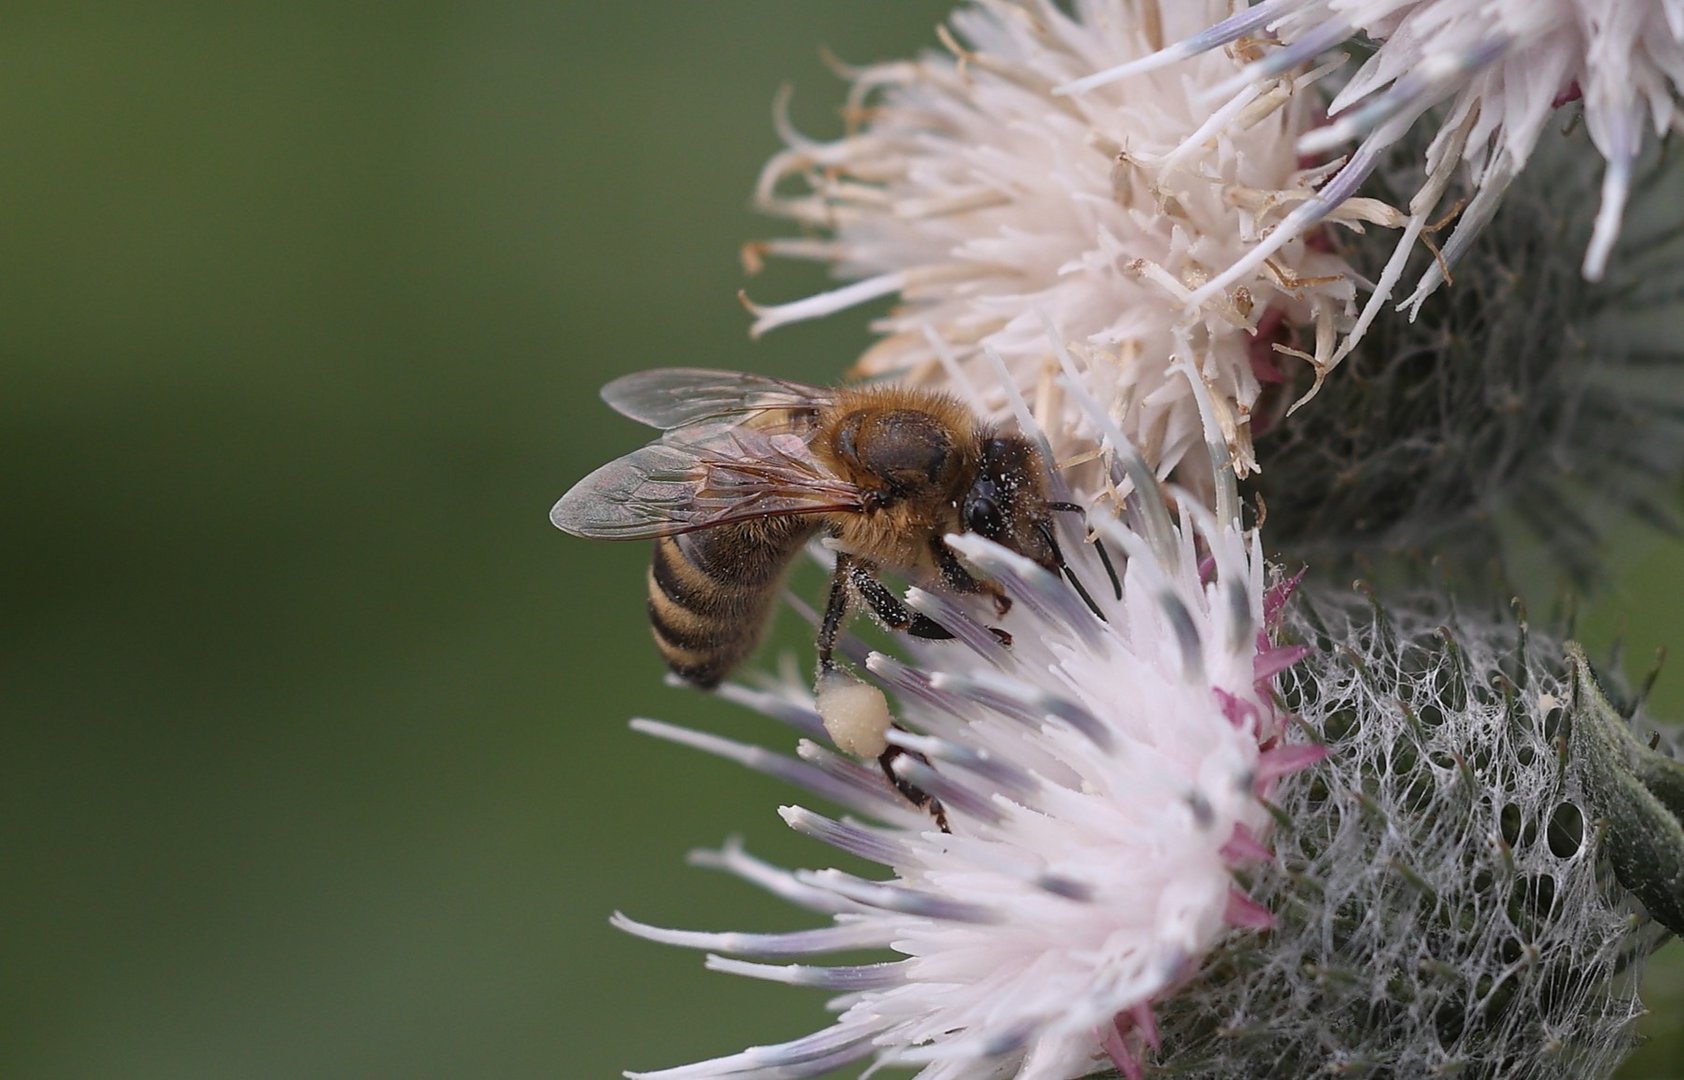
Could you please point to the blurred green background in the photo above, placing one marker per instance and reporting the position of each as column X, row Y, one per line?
column 315, row 756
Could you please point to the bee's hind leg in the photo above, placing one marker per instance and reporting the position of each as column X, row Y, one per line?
column 852, row 574
column 912, row 793
column 835, row 613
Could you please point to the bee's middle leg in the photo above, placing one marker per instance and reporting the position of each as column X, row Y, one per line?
column 890, row 609
column 855, row 575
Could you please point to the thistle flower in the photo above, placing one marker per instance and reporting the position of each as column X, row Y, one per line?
column 1181, row 820
column 988, row 204
column 1503, row 66
column 1103, row 779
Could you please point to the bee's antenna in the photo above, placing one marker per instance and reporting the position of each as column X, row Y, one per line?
column 1099, row 545
column 1075, row 582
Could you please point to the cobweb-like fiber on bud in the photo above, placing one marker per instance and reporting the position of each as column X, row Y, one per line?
column 1525, row 396
column 1442, row 905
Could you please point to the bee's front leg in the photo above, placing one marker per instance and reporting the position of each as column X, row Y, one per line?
column 954, row 576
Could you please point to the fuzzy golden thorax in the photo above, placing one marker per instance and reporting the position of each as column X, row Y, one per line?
column 913, row 454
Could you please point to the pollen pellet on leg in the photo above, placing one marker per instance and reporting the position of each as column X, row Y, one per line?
column 855, row 714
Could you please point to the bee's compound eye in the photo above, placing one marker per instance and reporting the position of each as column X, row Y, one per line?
column 982, row 515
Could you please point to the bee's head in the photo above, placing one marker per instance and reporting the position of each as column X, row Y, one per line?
column 1007, row 503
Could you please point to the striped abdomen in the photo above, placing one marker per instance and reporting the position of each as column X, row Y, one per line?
column 711, row 592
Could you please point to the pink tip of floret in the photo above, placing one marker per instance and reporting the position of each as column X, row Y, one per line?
column 1279, row 761
column 1246, row 912
column 1121, row 1056
column 1272, row 661
column 1136, row 1019
column 1243, row 847
column 1145, row 1023
column 1238, row 710
column 1277, row 595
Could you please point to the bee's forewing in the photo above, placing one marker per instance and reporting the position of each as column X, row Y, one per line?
column 669, row 398
column 674, row 487
column 649, row 492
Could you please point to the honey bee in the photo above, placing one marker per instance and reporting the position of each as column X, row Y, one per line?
column 749, row 468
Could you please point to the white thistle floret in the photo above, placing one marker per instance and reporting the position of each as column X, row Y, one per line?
column 986, row 203
column 1502, row 67
column 1102, row 780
